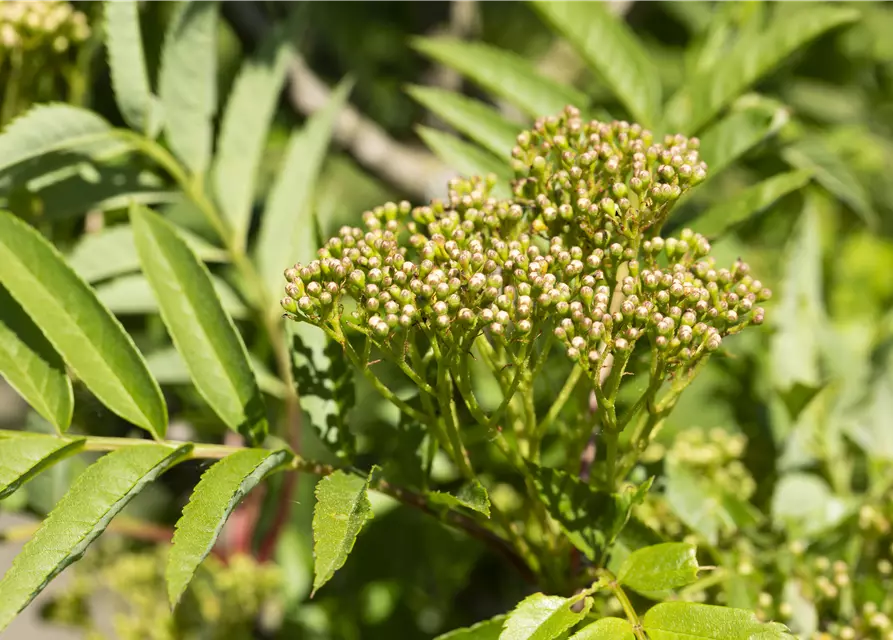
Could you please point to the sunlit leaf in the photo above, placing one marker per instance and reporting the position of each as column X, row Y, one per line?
column 471, row 495
column 542, row 617
column 466, row 159
column 606, row 629
column 688, row 620
column 660, row 567
column 22, row 458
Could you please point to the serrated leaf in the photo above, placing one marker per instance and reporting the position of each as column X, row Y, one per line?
column 691, row 621
column 542, row 617
column 285, row 230
column 342, row 508
column 244, row 128
column 486, row 630
column 112, row 252
column 200, row 328
column 613, row 50
column 480, row 122
column 705, row 95
column 168, row 367
column 127, row 64
column 471, row 495
column 219, row 491
column 504, row 74
column 87, row 336
column 740, row 131
column 660, row 567
column 31, row 366
column 466, row 159
column 50, row 128
column 590, row 518
column 188, row 82
column 132, row 295
column 606, row 629
column 738, row 208
column 97, row 495
column 24, row 457
column 833, row 173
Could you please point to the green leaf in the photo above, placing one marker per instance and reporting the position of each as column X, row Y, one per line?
column 480, row 122
column 814, row 155
column 660, row 567
column 705, row 95
column 759, row 197
column 467, row 159
column 24, row 457
column 188, row 82
column 590, row 518
column 112, row 252
column 127, row 64
column 31, row 366
column 486, row 630
column 613, row 50
column 690, row 621
column 219, row 491
column 132, row 295
column 804, row 504
column 86, row 335
column 168, row 367
column 200, row 328
column 804, row 618
column 606, row 629
column 504, row 74
column 50, row 128
column 542, row 617
column 244, row 129
column 471, row 495
column 731, row 138
column 342, row 508
column 286, row 227
column 80, row 517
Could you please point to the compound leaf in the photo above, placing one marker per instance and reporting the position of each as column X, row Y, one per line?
column 127, row 64
column 22, row 458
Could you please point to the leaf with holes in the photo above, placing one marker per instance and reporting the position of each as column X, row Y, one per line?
column 87, row 336
column 542, row 617
column 23, row 457
column 198, row 324
column 342, row 508
column 80, row 517
column 219, row 491
column 31, row 366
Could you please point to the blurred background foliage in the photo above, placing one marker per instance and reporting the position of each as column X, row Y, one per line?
column 779, row 461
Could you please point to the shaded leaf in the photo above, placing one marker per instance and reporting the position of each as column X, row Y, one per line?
column 50, row 128
column 480, row 122
column 112, row 252
column 127, row 65
column 244, row 128
column 688, row 620
column 542, row 617
column 466, row 159
column 89, row 338
column 660, row 567
column 22, row 458
column 833, row 173
column 486, row 630
column 752, row 57
column 285, row 230
column 606, row 629
column 80, row 517
column 188, row 82
column 759, row 197
column 471, row 495
column 132, row 295
column 590, row 518
column 31, row 366
column 342, row 508
column 613, row 50
column 504, row 74
column 200, row 328
column 219, row 491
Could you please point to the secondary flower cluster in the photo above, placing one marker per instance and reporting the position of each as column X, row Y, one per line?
column 30, row 26
column 574, row 252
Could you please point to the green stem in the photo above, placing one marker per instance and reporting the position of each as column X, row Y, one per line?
column 447, row 409
column 625, row 604
column 563, row 396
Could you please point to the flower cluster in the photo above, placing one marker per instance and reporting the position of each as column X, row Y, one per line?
column 31, row 26
column 574, row 252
